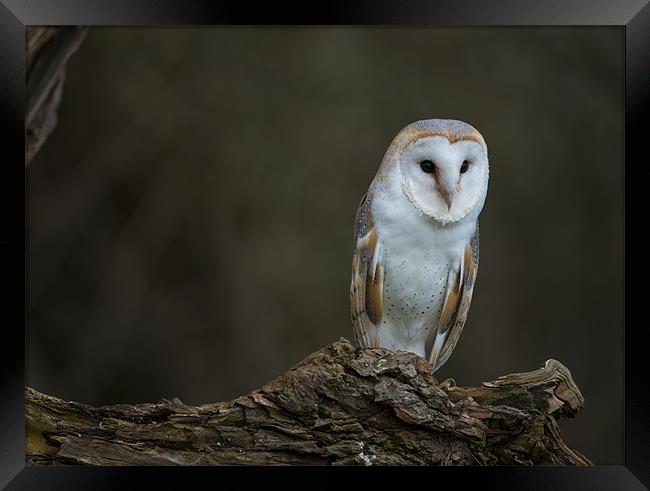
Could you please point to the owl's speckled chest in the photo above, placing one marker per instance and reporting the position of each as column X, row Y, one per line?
column 414, row 291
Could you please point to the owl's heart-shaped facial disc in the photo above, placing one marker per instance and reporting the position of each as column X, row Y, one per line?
column 443, row 179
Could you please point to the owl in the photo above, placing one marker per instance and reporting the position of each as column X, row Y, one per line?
column 416, row 240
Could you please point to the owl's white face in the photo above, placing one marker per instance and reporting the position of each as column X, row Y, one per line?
column 444, row 180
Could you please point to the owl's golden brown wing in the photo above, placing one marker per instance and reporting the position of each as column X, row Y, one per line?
column 366, row 288
column 455, row 308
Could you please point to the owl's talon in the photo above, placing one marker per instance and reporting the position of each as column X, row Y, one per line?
column 448, row 384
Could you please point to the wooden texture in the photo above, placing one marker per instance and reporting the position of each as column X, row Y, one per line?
column 340, row 405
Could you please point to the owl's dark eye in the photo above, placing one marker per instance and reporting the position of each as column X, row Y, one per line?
column 427, row 166
column 464, row 166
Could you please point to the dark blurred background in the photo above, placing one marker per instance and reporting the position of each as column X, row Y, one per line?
column 190, row 219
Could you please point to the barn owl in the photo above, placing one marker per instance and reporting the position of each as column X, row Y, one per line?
column 416, row 236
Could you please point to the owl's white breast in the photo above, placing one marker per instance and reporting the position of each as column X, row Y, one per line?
column 418, row 255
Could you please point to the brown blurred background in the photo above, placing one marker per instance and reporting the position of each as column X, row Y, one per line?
column 190, row 219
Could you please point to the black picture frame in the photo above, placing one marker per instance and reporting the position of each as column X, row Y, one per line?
column 631, row 15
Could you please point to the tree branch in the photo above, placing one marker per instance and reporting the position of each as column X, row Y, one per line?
column 338, row 406
column 48, row 51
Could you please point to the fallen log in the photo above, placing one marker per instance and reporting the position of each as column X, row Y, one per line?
column 340, row 405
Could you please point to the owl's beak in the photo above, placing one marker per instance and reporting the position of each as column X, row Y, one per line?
column 446, row 196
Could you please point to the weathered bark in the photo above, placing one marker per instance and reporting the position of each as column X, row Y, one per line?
column 48, row 50
column 338, row 406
